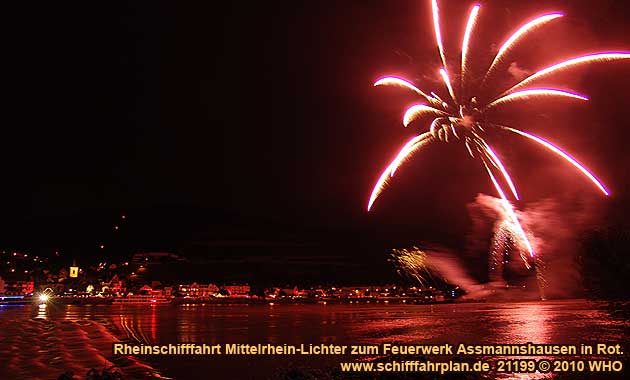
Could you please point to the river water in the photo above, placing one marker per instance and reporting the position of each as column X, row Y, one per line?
column 40, row 343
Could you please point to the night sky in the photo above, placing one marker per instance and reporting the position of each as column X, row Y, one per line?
column 201, row 121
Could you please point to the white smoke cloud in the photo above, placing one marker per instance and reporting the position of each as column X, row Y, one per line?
column 554, row 229
column 517, row 72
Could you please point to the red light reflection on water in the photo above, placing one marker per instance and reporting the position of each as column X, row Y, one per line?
column 529, row 322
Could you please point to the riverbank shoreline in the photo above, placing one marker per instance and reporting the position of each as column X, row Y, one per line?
column 240, row 300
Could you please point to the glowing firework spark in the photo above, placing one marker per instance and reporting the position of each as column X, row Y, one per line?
column 447, row 82
column 399, row 82
column 466, row 121
column 409, row 148
column 510, row 213
column 394, row 81
column 416, row 111
column 569, row 63
column 522, row 31
column 502, row 241
column 534, row 92
column 414, row 263
column 559, row 152
column 472, row 19
column 497, row 161
column 438, row 32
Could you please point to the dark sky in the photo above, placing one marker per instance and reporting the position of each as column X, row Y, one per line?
column 186, row 115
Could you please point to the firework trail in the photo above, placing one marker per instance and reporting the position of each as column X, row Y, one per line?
column 402, row 83
column 523, row 30
column 418, row 110
column 559, row 152
column 500, row 247
column 499, row 165
column 409, row 148
column 599, row 57
column 464, row 120
column 438, row 32
column 515, row 226
column 472, row 20
column 447, row 82
column 534, row 92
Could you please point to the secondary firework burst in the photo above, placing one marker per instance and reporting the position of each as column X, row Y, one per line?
column 461, row 118
column 413, row 262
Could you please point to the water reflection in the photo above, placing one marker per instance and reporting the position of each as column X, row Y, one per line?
column 566, row 322
column 525, row 322
column 42, row 312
